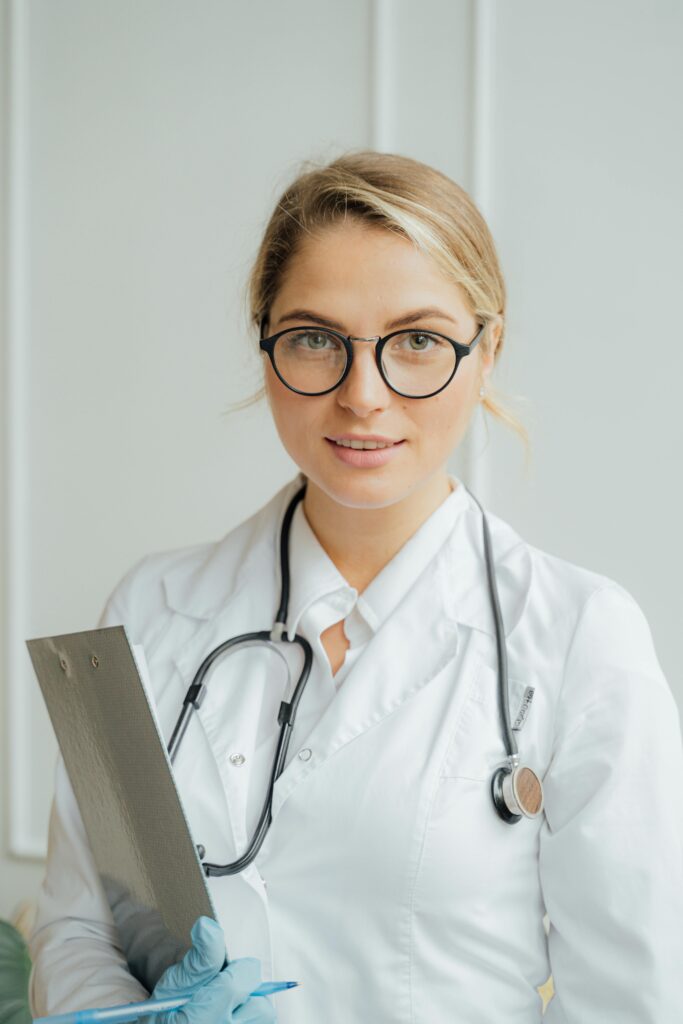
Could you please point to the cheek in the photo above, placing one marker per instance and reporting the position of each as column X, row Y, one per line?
column 449, row 412
column 280, row 399
column 296, row 417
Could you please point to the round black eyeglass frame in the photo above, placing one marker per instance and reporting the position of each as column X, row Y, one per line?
column 268, row 345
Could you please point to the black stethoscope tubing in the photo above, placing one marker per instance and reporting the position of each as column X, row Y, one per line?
column 508, row 801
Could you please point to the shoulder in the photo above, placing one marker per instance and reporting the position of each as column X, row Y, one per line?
column 593, row 627
column 562, row 592
column 567, row 604
column 141, row 588
column 593, row 649
column 195, row 579
column 574, row 593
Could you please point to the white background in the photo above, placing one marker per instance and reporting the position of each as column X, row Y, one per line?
column 144, row 143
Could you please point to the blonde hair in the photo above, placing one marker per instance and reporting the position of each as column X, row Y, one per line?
column 402, row 195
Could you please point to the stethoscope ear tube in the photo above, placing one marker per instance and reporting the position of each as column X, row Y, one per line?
column 516, row 790
column 286, row 719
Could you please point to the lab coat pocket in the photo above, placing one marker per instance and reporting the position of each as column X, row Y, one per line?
column 477, row 746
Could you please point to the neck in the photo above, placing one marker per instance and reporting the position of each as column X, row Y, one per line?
column 361, row 541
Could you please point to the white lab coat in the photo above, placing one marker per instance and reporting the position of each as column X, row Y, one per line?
column 387, row 884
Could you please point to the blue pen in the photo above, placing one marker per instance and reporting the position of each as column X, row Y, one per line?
column 131, row 1011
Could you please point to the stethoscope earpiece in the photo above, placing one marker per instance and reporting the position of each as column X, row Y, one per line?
column 517, row 792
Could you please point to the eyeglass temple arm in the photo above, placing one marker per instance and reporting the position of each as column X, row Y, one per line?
column 476, row 339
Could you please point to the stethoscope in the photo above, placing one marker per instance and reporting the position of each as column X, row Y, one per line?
column 516, row 790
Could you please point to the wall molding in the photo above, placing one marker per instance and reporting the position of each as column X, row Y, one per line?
column 479, row 469
column 23, row 843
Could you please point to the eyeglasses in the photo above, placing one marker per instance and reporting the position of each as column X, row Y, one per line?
column 414, row 364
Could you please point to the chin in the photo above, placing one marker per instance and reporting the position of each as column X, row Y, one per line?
column 360, row 488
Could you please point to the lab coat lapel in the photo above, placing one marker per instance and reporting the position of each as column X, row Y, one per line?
column 409, row 649
column 234, row 734
column 223, row 598
column 449, row 594
column 421, row 637
column 231, row 591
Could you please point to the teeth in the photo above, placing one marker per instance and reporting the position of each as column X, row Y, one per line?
column 364, row 444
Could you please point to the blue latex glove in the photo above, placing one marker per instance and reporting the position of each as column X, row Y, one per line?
column 218, row 996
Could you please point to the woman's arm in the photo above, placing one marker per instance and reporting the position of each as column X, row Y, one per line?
column 611, row 849
column 77, row 962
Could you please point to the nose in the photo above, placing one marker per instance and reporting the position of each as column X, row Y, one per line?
column 364, row 387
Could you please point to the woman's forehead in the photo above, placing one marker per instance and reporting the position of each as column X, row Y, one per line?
column 356, row 263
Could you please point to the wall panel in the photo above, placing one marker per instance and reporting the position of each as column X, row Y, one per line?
column 146, row 143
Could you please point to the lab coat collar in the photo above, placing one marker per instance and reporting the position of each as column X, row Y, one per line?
column 253, row 547
column 315, row 575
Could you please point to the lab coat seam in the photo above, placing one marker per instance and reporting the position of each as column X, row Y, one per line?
column 467, row 696
column 122, row 610
column 516, row 687
column 166, row 564
column 364, row 728
column 425, row 827
column 162, row 632
column 567, row 659
column 121, row 593
column 416, row 875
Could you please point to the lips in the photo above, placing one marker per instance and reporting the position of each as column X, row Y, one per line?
column 368, row 458
column 369, row 437
column 347, row 443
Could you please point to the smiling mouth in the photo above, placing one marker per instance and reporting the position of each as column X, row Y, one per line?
column 364, row 445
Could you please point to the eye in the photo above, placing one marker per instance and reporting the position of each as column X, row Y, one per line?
column 417, row 341
column 422, row 340
column 310, row 339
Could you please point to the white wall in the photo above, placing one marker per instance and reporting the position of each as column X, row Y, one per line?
column 145, row 144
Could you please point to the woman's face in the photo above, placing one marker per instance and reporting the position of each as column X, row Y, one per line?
column 364, row 279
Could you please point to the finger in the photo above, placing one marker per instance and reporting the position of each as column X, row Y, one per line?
column 242, row 976
column 212, row 1002
column 224, row 994
column 201, row 963
column 257, row 1010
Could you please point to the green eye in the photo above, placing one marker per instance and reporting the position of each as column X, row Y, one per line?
column 417, row 341
column 422, row 340
column 311, row 340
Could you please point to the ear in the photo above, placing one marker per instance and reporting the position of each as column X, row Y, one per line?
column 489, row 356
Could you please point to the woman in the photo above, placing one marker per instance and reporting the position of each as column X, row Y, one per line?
column 389, row 883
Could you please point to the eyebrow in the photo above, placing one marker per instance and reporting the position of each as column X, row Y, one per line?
column 401, row 321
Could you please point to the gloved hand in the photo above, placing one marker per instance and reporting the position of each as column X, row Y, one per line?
column 218, row 996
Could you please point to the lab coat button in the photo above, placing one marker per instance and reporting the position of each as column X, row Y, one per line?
column 305, row 754
column 237, row 759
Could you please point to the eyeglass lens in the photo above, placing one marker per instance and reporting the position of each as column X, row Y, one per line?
column 415, row 362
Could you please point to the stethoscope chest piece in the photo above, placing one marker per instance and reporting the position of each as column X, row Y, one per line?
column 517, row 792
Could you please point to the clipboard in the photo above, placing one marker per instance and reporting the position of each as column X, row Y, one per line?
column 122, row 778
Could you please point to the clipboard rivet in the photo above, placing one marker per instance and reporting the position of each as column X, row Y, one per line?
column 94, row 661
column 63, row 665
